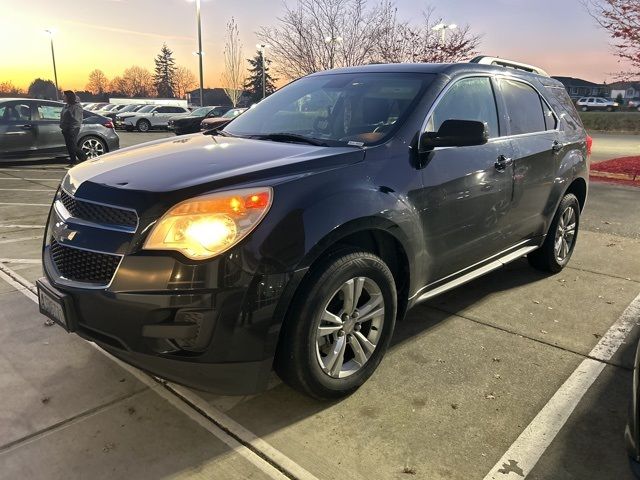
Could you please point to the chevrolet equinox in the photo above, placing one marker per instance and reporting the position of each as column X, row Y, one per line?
column 297, row 235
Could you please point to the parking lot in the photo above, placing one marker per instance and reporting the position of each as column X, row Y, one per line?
column 515, row 374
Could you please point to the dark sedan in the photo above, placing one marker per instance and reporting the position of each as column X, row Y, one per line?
column 219, row 122
column 191, row 123
column 30, row 129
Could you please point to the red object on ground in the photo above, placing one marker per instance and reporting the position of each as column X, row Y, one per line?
column 589, row 144
column 625, row 170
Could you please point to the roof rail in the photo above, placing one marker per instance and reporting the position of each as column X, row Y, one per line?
column 487, row 60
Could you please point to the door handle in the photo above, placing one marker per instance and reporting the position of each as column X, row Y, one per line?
column 502, row 163
column 26, row 126
column 556, row 146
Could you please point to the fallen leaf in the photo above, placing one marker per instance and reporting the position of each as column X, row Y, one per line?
column 409, row 470
column 544, row 332
column 496, row 359
column 454, row 406
column 48, row 322
column 490, row 396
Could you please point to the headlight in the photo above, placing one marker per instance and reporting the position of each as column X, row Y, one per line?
column 206, row 226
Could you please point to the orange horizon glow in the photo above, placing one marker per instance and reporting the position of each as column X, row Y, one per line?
column 113, row 35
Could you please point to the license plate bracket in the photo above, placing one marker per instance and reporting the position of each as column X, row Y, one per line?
column 56, row 305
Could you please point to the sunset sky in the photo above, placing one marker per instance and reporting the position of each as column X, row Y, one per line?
column 557, row 35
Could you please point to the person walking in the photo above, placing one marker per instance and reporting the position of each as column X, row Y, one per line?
column 70, row 123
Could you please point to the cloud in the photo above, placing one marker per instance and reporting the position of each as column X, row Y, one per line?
column 161, row 36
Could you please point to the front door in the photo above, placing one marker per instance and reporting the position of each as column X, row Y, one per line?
column 46, row 117
column 17, row 132
column 467, row 190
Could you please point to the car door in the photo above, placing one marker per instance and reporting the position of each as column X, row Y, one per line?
column 467, row 190
column 532, row 126
column 47, row 122
column 17, row 133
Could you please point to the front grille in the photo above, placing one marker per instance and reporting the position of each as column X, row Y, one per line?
column 96, row 213
column 82, row 265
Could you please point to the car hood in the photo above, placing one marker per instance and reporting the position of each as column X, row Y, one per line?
column 203, row 161
column 185, row 119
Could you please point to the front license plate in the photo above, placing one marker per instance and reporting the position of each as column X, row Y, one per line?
column 53, row 306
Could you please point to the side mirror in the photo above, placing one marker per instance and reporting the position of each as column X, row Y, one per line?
column 455, row 133
column 154, row 113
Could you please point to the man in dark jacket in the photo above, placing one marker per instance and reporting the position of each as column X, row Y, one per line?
column 70, row 123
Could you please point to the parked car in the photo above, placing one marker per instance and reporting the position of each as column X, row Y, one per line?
column 221, row 121
column 96, row 106
column 633, row 105
column 30, row 129
column 150, row 117
column 596, row 103
column 191, row 123
column 125, row 109
column 296, row 239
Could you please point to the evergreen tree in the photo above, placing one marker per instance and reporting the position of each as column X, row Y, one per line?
column 253, row 84
column 165, row 73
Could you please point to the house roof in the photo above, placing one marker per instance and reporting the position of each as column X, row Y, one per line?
column 635, row 84
column 576, row 82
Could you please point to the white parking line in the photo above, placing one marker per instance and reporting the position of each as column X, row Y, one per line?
column 16, row 179
column 534, row 440
column 243, row 442
column 32, row 170
column 21, row 226
column 20, row 239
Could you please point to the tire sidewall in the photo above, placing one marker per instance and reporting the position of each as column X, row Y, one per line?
column 92, row 137
column 320, row 290
column 144, row 122
column 569, row 200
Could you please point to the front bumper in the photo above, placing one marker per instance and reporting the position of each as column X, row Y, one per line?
column 212, row 325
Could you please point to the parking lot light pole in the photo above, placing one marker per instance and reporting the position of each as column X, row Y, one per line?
column 443, row 27
column 261, row 47
column 51, row 31
column 332, row 41
column 200, row 53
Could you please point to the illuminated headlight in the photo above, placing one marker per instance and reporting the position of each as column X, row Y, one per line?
column 203, row 227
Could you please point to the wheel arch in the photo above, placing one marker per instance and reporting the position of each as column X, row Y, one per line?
column 578, row 187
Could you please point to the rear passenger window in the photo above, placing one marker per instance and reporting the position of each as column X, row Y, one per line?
column 550, row 120
column 468, row 99
column 524, row 107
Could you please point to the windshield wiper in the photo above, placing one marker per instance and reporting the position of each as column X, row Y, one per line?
column 290, row 137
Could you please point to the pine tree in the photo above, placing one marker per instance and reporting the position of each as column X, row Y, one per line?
column 253, row 85
column 165, row 73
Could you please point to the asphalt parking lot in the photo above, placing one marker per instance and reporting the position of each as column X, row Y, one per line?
column 515, row 374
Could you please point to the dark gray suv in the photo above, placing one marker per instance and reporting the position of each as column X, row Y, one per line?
column 300, row 232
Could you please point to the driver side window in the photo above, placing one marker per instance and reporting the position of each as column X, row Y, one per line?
column 468, row 99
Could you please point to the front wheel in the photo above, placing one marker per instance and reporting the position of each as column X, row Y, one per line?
column 339, row 326
column 143, row 125
column 555, row 252
column 585, row 109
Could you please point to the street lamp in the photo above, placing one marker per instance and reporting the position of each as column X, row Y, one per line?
column 200, row 53
column 332, row 41
column 443, row 27
column 51, row 31
column 262, row 47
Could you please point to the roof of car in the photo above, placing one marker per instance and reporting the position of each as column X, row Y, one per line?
column 450, row 69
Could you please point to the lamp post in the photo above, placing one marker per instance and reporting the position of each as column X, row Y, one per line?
column 51, row 31
column 200, row 53
column 262, row 47
column 332, row 41
column 443, row 27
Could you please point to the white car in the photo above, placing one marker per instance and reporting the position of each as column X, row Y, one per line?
column 596, row 103
column 150, row 116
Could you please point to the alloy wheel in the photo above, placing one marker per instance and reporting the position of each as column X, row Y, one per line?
column 92, row 147
column 565, row 234
column 350, row 327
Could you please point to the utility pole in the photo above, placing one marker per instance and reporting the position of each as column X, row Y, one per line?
column 200, row 52
column 332, row 49
column 443, row 27
column 51, row 31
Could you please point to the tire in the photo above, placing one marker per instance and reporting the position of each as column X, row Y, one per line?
column 550, row 258
column 305, row 355
column 128, row 128
column 92, row 146
column 143, row 125
column 585, row 109
column 609, row 109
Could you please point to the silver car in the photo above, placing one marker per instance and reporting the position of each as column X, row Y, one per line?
column 31, row 129
column 151, row 116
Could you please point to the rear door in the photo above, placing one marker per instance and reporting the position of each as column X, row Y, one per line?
column 17, row 131
column 47, row 121
column 533, row 130
column 467, row 190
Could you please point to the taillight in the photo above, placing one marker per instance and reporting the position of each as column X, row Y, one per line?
column 108, row 124
column 589, row 144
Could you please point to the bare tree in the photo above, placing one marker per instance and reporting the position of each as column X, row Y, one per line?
column 232, row 77
column 98, row 82
column 138, row 82
column 322, row 34
column 117, row 86
column 184, row 81
column 621, row 19
column 8, row 89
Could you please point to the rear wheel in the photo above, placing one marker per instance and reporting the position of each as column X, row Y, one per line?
column 143, row 125
column 555, row 252
column 339, row 326
column 92, row 146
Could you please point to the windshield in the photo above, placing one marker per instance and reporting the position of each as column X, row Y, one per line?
column 147, row 108
column 234, row 112
column 363, row 108
column 129, row 108
column 200, row 112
